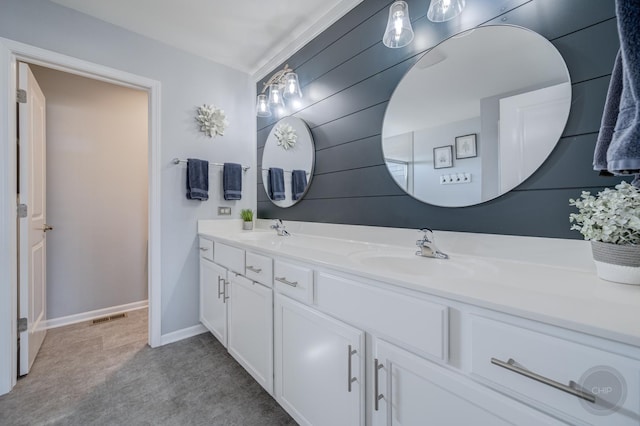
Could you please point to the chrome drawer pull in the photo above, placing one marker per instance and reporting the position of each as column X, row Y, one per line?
column 204, row 249
column 377, row 395
column 350, row 379
column 283, row 280
column 254, row 269
column 512, row 365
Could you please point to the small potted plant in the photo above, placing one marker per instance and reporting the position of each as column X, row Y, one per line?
column 611, row 221
column 247, row 219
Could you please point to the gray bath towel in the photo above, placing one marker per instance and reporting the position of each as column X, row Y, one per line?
column 276, row 184
column 298, row 183
column 618, row 147
column 232, row 181
column 197, row 179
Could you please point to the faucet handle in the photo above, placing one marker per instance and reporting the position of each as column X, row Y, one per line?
column 428, row 234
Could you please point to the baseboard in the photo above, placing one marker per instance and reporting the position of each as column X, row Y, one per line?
column 185, row 333
column 91, row 315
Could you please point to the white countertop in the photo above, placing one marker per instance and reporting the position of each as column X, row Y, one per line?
column 544, row 279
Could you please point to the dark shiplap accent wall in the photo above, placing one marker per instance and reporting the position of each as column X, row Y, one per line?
column 348, row 75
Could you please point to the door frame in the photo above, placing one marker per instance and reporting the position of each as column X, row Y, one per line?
column 10, row 53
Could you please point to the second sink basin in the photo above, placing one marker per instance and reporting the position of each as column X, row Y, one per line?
column 407, row 262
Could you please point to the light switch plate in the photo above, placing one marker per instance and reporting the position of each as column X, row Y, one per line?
column 224, row 211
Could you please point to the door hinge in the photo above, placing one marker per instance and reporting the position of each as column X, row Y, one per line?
column 23, row 325
column 22, row 210
column 21, row 96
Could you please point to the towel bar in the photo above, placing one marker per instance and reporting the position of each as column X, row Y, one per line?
column 178, row 161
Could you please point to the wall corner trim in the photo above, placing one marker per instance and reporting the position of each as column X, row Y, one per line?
column 185, row 333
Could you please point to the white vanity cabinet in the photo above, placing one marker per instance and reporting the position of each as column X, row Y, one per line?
column 251, row 328
column 213, row 295
column 319, row 366
column 237, row 310
column 411, row 390
column 349, row 347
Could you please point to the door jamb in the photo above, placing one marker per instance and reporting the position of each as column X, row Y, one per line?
column 10, row 53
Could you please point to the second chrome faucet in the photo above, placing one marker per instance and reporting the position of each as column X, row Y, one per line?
column 428, row 247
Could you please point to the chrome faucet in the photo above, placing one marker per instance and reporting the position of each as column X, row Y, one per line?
column 280, row 228
column 428, row 246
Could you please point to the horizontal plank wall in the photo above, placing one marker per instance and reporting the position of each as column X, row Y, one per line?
column 347, row 77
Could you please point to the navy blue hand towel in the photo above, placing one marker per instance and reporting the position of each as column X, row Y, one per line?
column 232, row 181
column 276, row 184
column 298, row 183
column 197, row 179
column 620, row 131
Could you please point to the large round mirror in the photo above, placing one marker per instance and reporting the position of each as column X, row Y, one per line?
column 476, row 116
column 287, row 161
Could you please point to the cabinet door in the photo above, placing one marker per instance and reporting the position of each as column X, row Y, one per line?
column 213, row 299
column 251, row 328
column 319, row 368
column 411, row 390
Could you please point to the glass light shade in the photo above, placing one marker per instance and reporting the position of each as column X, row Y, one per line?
column 262, row 106
column 275, row 96
column 291, row 86
column 444, row 10
column 399, row 32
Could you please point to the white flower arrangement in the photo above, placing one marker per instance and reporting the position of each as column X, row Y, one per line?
column 613, row 216
column 212, row 120
column 286, row 136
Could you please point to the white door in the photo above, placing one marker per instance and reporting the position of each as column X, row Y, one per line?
column 251, row 328
column 33, row 227
column 413, row 391
column 524, row 144
column 319, row 366
column 213, row 299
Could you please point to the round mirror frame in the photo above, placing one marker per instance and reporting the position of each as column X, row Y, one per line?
column 461, row 166
column 274, row 154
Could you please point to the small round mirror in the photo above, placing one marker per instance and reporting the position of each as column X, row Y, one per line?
column 287, row 161
column 476, row 116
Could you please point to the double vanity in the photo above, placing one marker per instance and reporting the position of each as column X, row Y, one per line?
column 345, row 325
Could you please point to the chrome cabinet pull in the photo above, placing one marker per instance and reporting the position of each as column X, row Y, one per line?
column 204, row 249
column 224, row 291
column 349, row 372
column 283, row 280
column 254, row 269
column 512, row 365
column 220, row 292
column 377, row 395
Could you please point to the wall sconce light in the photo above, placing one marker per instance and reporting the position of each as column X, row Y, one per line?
column 445, row 10
column 398, row 32
column 282, row 85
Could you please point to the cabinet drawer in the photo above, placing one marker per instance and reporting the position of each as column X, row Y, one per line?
column 206, row 248
column 539, row 368
column 259, row 268
column 229, row 257
column 296, row 281
column 412, row 322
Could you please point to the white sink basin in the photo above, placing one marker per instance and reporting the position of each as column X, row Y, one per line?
column 407, row 262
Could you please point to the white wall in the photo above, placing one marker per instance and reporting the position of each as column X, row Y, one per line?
column 187, row 82
column 96, row 193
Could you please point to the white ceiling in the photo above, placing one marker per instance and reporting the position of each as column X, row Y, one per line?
column 252, row 36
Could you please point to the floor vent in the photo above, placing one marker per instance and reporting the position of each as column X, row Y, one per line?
column 109, row 318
